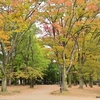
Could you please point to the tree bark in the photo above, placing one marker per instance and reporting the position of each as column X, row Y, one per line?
column 69, row 80
column 74, row 80
column 32, row 83
column 4, row 84
column 4, row 68
column 91, row 81
column 64, row 76
column 81, row 83
column 9, row 81
column 64, row 81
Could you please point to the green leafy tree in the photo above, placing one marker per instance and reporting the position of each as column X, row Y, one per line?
column 87, row 55
column 32, row 56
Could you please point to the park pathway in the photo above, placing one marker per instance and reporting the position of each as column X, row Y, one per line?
column 42, row 92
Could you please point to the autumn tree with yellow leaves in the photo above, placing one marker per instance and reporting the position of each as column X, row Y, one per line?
column 65, row 21
column 16, row 18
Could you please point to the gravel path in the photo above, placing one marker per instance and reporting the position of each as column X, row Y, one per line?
column 42, row 92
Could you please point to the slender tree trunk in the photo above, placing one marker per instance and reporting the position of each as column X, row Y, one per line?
column 21, row 81
column 64, row 76
column 24, row 81
column 99, row 82
column 10, row 78
column 28, row 81
column 4, row 83
column 91, row 81
column 69, row 80
column 74, row 80
column 9, row 81
column 4, row 76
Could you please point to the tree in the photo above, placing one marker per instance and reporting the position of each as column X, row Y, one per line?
column 86, row 59
column 32, row 56
column 16, row 18
column 65, row 22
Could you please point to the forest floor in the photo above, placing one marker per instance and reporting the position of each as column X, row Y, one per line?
column 50, row 92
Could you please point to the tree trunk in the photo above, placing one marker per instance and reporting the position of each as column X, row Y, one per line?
column 4, row 77
column 4, row 83
column 9, row 81
column 64, row 76
column 32, row 83
column 81, row 83
column 16, row 81
column 24, row 81
column 84, row 81
column 69, row 80
column 74, row 80
column 91, row 81
column 64, row 81
column 99, row 82
column 21, row 81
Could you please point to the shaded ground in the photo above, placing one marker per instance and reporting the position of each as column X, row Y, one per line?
column 43, row 92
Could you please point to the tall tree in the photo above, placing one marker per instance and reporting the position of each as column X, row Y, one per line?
column 64, row 22
column 16, row 17
column 32, row 56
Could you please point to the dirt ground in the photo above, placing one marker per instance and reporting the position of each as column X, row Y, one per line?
column 44, row 92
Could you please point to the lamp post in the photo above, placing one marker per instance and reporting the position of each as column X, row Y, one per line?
column 60, row 75
column 61, row 79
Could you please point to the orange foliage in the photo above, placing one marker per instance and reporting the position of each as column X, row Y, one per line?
column 8, row 47
column 78, row 23
column 92, row 7
column 4, row 36
column 68, row 3
column 80, row 1
column 7, row 42
column 56, row 1
column 57, row 27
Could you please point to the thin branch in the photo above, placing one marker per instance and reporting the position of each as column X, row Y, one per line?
column 72, row 55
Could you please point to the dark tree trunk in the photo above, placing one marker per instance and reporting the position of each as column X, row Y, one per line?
column 16, row 81
column 32, row 83
column 74, row 80
column 21, row 81
column 28, row 81
column 91, row 81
